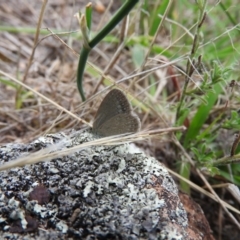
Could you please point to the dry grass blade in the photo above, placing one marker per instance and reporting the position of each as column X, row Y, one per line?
column 43, row 97
column 47, row 154
column 203, row 191
column 234, row 220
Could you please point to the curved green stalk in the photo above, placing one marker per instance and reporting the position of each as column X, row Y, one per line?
column 119, row 15
column 81, row 66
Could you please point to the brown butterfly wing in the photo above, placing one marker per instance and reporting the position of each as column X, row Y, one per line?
column 119, row 124
column 113, row 104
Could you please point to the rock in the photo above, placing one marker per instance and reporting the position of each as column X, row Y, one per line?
column 97, row 192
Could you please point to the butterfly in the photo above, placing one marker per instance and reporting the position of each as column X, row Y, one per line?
column 115, row 116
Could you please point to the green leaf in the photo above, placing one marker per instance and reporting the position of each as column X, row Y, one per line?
column 232, row 123
column 88, row 13
column 202, row 115
column 155, row 19
column 138, row 55
column 185, row 172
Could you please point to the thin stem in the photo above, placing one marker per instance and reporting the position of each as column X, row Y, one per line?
column 226, row 160
column 153, row 41
column 231, row 19
column 120, row 14
column 37, row 33
column 195, row 45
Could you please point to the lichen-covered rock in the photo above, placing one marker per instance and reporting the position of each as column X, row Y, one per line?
column 99, row 192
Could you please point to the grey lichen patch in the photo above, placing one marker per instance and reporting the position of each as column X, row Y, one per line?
column 171, row 233
column 88, row 188
column 118, row 193
column 61, row 226
column 17, row 213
